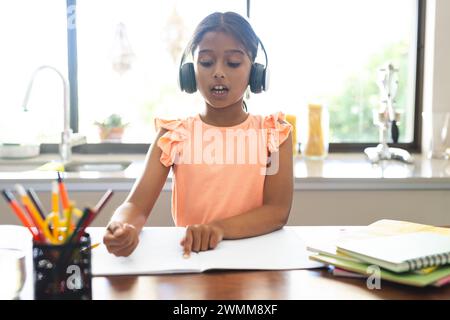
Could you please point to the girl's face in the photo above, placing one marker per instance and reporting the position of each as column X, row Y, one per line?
column 222, row 69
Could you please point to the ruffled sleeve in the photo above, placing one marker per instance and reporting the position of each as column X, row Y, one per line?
column 171, row 142
column 277, row 130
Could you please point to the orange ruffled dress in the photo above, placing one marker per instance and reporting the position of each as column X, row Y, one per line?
column 218, row 172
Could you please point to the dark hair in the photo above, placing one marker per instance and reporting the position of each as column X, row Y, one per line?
column 228, row 22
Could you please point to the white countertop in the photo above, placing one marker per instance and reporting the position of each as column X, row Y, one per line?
column 340, row 171
column 353, row 171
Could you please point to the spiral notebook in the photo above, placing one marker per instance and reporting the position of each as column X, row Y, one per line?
column 400, row 253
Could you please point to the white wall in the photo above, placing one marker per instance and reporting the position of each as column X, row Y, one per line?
column 310, row 207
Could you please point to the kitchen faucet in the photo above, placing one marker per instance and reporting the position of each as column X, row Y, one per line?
column 68, row 138
column 386, row 119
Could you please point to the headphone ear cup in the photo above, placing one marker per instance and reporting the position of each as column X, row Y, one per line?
column 257, row 78
column 187, row 78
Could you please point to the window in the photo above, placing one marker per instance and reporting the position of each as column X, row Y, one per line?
column 329, row 51
column 33, row 33
column 128, row 58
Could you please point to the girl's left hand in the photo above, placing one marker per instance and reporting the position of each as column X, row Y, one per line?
column 201, row 237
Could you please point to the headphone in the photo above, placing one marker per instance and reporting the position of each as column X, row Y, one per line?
column 258, row 81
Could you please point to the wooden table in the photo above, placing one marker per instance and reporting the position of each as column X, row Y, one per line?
column 231, row 285
column 251, row 285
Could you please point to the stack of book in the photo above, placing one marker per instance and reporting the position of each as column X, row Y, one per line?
column 397, row 251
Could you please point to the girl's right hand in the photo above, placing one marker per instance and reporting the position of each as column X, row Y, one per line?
column 121, row 238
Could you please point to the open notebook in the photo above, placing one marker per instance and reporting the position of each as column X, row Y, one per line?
column 159, row 252
column 400, row 253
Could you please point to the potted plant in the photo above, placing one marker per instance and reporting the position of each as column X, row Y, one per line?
column 111, row 129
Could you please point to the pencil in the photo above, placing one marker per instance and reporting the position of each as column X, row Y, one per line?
column 68, row 212
column 36, row 202
column 55, row 200
column 63, row 193
column 40, row 208
column 102, row 202
column 87, row 218
column 20, row 214
column 95, row 245
column 77, row 232
column 55, row 209
column 90, row 214
column 32, row 211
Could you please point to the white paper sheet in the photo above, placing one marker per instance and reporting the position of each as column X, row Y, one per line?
column 159, row 252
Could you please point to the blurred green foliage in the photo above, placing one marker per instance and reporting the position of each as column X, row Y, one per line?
column 351, row 112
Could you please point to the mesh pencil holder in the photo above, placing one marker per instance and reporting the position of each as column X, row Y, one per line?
column 62, row 272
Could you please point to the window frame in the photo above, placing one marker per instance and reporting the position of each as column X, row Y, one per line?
column 102, row 148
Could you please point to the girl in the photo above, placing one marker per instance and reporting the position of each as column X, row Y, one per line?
column 233, row 175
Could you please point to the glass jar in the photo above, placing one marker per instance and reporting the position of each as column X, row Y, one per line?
column 314, row 139
column 437, row 134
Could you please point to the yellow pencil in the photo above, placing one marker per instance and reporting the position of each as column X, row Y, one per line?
column 53, row 219
column 91, row 247
column 68, row 214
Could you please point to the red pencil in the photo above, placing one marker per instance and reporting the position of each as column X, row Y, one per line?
column 18, row 211
column 63, row 193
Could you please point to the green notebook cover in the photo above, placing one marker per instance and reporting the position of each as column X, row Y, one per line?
column 408, row 278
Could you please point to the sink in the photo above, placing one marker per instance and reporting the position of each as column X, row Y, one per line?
column 96, row 166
